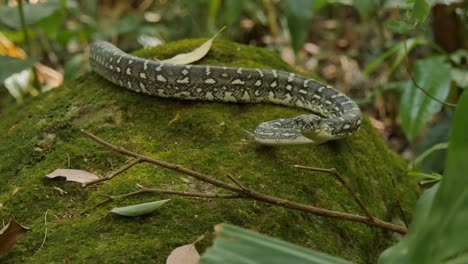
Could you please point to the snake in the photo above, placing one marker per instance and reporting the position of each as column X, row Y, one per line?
column 331, row 114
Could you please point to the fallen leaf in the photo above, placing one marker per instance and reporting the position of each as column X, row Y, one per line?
column 38, row 149
column 80, row 176
column 15, row 191
column 194, row 55
column 138, row 209
column 186, row 254
column 176, row 117
column 11, row 233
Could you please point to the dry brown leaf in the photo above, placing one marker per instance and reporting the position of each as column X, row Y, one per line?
column 49, row 76
column 8, row 48
column 194, row 55
column 186, row 254
column 38, row 149
column 11, row 233
column 80, row 176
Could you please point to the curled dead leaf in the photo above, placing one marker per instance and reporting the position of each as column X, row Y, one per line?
column 194, row 55
column 10, row 234
column 80, row 176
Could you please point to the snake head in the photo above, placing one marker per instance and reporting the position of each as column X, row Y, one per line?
column 308, row 123
column 311, row 127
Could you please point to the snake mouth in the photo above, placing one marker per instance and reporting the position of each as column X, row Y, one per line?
column 269, row 141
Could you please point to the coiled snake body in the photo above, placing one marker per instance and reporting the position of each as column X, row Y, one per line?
column 334, row 115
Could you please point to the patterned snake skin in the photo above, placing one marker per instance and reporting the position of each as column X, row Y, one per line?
column 334, row 115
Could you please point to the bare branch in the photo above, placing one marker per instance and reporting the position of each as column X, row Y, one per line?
column 244, row 192
column 337, row 175
column 167, row 165
column 113, row 174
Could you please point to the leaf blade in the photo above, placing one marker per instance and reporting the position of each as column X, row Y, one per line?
column 138, row 209
column 239, row 246
column 10, row 66
column 299, row 13
column 438, row 232
column 416, row 108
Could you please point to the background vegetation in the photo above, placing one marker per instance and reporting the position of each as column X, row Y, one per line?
column 404, row 62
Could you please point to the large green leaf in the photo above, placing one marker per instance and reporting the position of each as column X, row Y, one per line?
column 438, row 233
column 236, row 245
column 299, row 13
column 10, row 66
column 416, row 108
column 420, row 10
column 364, row 7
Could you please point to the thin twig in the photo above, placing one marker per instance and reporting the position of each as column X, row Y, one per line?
column 397, row 197
column 417, row 85
column 237, row 182
column 45, row 233
column 163, row 164
column 337, row 175
column 254, row 195
column 115, row 173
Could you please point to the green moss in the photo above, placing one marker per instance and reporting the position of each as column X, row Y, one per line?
column 42, row 135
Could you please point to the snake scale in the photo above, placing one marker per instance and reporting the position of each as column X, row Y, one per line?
column 334, row 115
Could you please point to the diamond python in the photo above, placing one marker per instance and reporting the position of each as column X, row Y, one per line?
column 334, row 115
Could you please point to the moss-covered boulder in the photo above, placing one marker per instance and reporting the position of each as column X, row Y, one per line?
column 43, row 134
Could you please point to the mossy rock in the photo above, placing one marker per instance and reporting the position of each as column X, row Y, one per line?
column 43, row 134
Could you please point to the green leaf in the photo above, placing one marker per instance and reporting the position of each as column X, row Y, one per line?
column 232, row 11
column 73, row 66
column 459, row 56
column 139, row 209
column 10, row 66
column 438, row 233
column 236, row 245
column 421, row 157
column 420, row 10
column 460, row 77
column 364, row 7
column 437, row 134
column 427, row 178
column 299, row 13
column 398, row 49
column 416, row 108
column 213, row 13
column 401, row 52
column 400, row 26
column 398, row 253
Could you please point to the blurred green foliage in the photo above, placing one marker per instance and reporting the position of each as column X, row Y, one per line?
column 60, row 31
